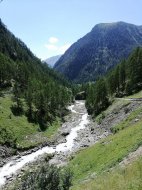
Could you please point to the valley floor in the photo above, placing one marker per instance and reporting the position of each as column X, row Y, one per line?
column 100, row 166
column 115, row 133
column 84, row 138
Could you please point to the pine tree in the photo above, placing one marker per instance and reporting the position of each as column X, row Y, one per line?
column 17, row 107
column 101, row 96
column 122, row 75
column 134, row 77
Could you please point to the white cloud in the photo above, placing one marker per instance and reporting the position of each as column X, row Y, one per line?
column 54, row 48
column 53, row 40
column 51, row 47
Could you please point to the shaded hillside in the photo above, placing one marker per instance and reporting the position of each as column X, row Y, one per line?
column 124, row 79
column 100, row 50
column 36, row 91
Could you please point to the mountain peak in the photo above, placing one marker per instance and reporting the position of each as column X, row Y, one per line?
column 113, row 25
column 99, row 51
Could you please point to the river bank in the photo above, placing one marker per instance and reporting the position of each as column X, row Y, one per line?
column 68, row 141
column 78, row 131
column 64, row 143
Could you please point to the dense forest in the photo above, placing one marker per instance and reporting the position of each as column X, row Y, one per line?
column 124, row 79
column 37, row 91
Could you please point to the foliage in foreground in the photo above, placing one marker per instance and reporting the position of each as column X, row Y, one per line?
column 47, row 178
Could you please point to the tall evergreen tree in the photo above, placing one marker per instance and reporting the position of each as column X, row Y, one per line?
column 101, row 96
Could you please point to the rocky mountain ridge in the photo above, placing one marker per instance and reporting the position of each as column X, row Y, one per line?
column 99, row 51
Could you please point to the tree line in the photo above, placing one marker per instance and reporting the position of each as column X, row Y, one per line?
column 38, row 91
column 124, row 79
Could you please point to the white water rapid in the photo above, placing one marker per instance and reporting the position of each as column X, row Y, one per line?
column 14, row 165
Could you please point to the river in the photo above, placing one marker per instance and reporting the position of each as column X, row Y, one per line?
column 78, row 121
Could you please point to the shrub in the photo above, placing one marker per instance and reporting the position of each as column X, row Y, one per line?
column 47, row 178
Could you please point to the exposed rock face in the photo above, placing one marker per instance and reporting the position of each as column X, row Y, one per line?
column 5, row 152
column 99, row 51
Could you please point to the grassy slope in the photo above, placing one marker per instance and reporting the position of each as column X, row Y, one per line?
column 136, row 114
column 107, row 153
column 137, row 95
column 26, row 133
column 126, row 178
column 116, row 105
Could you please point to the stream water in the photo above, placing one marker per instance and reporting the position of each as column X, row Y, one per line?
column 14, row 165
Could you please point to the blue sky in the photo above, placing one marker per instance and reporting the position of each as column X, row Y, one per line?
column 49, row 27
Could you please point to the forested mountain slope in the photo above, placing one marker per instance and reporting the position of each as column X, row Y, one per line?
column 36, row 91
column 124, row 79
column 99, row 51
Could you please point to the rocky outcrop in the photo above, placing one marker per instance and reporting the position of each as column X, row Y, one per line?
column 5, row 154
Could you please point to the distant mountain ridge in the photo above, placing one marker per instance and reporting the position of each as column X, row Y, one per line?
column 99, row 51
column 52, row 60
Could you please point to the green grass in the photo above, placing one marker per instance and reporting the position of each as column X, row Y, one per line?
column 106, row 153
column 137, row 95
column 27, row 134
column 126, row 178
column 116, row 105
column 98, row 159
column 127, row 122
column 100, row 117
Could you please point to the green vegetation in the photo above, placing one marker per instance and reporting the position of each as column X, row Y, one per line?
column 126, row 178
column 33, row 100
column 106, row 153
column 32, row 96
column 136, row 95
column 90, row 166
column 17, row 131
column 99, row 51
column 97, row 98
column 45, row 177
column 124, row 79
column 128, row 121
column 116, row 105
column 100, row 117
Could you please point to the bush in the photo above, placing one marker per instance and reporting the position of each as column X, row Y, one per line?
column 47, row 178
column 100, row 118
column 7, row 138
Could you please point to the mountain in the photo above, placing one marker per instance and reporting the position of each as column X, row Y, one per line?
column 33, row 91
column 124, row 79
column 99, row 51
column 52, row 60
